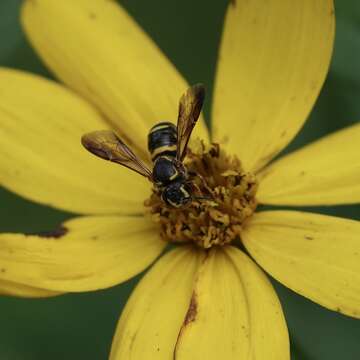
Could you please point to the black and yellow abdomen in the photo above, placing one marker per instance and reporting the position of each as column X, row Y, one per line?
column 162, row 140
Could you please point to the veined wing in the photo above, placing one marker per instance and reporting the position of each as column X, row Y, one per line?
column 189, row 111
column 106, row 145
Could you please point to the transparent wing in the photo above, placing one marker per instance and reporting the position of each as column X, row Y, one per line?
column 106, row 145
column 189, row 110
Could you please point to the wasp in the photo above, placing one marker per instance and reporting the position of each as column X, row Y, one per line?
column 167, row 145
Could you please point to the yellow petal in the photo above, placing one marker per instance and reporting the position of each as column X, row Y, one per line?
column 150, row 323
column 97, row 49
column 235, row 313
column 317, row 256
column 14, row 289
column 273, row 61
column 41, row 157
column 323, row 173
column 86, row 253
column 192, row 307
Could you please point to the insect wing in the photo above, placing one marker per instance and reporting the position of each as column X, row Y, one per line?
column 189, row 111
column 106, row 145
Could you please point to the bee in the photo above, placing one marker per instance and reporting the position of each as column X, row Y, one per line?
column 167, row 145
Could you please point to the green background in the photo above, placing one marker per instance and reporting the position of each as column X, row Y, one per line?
column 80, row 326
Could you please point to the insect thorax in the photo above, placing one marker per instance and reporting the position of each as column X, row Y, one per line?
column 165, row 171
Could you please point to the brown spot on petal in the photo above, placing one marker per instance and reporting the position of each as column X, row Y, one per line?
column 192, row 311
column 189, row 318
column 55, row 234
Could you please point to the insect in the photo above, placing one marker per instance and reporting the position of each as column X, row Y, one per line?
column 167, row 145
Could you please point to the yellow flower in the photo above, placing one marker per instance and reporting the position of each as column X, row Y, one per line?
column 193, row 303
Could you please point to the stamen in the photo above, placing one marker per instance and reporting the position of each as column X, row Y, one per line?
column 223, row 199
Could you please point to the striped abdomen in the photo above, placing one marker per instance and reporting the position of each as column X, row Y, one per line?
column 162, row 140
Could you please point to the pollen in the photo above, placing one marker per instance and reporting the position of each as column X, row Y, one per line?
column 223, row 199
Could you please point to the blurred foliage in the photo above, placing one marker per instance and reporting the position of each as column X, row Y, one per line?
column 80, row 326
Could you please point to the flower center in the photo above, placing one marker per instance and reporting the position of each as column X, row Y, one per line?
column 223, row 198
